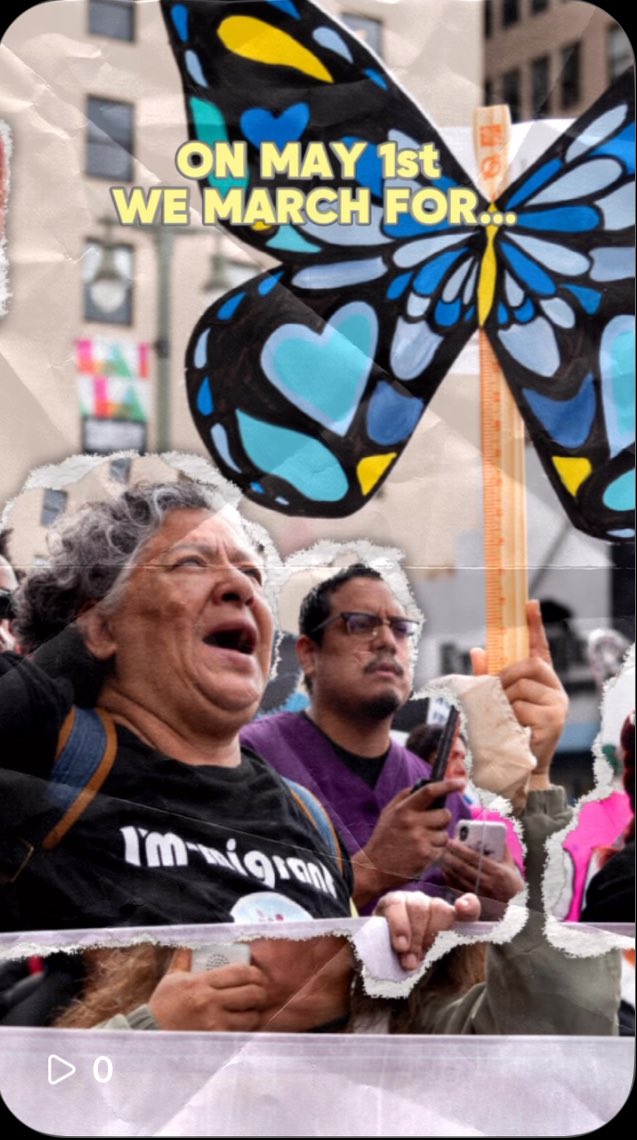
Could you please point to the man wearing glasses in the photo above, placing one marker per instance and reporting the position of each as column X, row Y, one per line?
column 355, row 649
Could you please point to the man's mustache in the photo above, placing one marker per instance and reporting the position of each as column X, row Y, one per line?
column 384, row 662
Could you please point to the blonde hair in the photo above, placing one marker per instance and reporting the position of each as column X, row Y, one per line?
column 117, row 982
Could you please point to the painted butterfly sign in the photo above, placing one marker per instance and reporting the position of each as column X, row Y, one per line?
column 307, row 383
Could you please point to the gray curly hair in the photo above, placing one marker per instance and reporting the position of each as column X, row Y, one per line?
column 92, row 552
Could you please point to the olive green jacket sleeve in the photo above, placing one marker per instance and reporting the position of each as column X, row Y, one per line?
column 140, row 1018
column 531, row 987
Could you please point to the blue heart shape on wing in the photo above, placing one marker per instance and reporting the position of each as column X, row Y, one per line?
column 617, row 360
column 260, row 125
column 325, row 373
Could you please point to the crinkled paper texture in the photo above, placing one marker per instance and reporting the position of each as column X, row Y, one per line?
column 227, row 1085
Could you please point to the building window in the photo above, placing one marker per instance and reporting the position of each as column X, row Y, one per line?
column 109, row 138
column 511, row 93
column 453, row 659
column 510, row 13
column 540, row 87
column 488, row 18
column 112, row 18
column 367, row 30
column 107, row 274
column 53, row 505
column 619, row 52
column 570, row 75
column 539, row 6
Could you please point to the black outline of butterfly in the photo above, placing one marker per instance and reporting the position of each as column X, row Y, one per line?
column 359, row 106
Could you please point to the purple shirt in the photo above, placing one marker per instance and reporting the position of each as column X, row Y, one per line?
column 299, row 750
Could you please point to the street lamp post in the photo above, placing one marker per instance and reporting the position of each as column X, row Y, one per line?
column 163, row 239
column 108, row 287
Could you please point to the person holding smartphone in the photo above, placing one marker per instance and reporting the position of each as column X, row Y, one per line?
column 493, row 864
column 355, row 649
column 524, row 985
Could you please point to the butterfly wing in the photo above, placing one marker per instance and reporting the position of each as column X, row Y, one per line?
column 265, row 365
column 562, row 318
column 260, row 73
column 307, row 383
column 297, row 392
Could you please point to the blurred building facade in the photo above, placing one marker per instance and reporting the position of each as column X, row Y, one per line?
column 550, row 58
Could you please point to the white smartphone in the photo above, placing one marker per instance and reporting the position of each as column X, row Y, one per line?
column 220, row 954
column 484, row 836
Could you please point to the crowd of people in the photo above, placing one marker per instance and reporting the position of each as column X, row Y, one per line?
column 140, row 787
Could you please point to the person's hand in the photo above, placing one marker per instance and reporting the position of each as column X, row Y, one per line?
column 415, row 920
column 535, row 693
column 408, row 837
column 228, row 998
column 308, row 981
column 465, row 870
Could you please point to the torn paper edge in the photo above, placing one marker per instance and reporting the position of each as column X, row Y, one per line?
column 325, row 557
column 5, row 185
column 463, row 934
column 572, row 937
column 381, row 972
column 324, row 554
column 388, row 562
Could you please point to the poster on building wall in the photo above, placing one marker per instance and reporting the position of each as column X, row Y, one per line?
column 414, row 291
column 114, row 395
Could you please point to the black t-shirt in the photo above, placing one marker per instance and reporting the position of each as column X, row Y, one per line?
column 163, row 842
column 610, row 895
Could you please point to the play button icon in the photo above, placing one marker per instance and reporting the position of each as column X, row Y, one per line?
column 59, row 1069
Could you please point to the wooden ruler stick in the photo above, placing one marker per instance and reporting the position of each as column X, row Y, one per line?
column 504, row 490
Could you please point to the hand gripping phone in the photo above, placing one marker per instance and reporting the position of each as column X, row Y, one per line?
column 484, row 836
column 443, row 751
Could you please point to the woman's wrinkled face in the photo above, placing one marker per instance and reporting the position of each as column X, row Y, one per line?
column 192, row 632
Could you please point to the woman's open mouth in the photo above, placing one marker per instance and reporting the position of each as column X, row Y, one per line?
column 238, row 636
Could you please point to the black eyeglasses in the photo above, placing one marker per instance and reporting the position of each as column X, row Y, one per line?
column 367, row 625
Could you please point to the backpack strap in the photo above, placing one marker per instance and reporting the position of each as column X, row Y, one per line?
column 316, row 813
column 87, row 745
